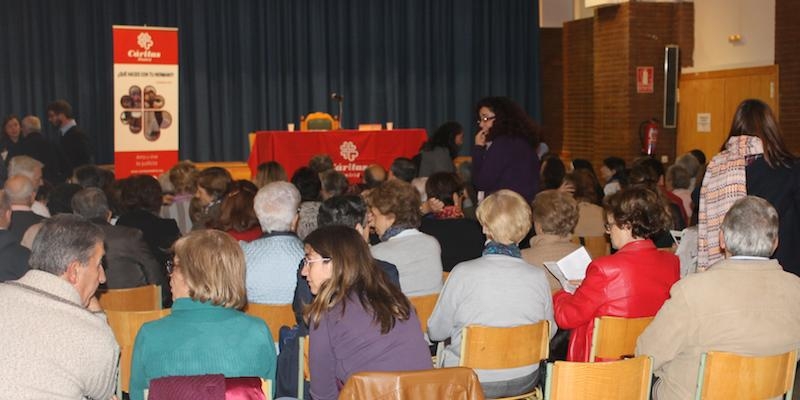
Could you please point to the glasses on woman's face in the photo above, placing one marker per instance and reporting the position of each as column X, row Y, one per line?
column 307, row 262
column 485, row 118
column 608, row 226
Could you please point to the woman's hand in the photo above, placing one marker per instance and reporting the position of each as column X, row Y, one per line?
column 480, row 138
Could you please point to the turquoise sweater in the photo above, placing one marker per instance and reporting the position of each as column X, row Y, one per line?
column 201, row 338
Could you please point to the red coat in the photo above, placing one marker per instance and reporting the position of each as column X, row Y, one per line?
column 633, row 282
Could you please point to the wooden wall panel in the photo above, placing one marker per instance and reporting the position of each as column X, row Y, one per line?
column 719, row 93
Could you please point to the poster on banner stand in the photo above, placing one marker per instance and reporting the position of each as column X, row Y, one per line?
column 145, row 99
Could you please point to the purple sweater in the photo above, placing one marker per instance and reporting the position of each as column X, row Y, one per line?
column 509, row 163
column 345, row 344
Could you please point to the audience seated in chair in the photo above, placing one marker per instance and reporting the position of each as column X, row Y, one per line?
column 633, row 282
column 237, row 216
column 309, row 185
column 554, row 217
column 182, row 177
column 394, row 208
column 212, row 184
column 355, row 300
column 272, row 259
column 461, row 239
column 744, row 304
column 14, row 255
column 21, row 193
column 205, row 333
column 498, row 289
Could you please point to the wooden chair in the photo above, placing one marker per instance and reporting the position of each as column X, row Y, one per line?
column 615, row 337
column 485, row 347
column 142, row 298
column 596, row 246
column 125, row 325
column 318, row 121
column 627, row 379
column 733, row 376
column 441, row 383
column 445, row 275
column 424, row 306
column 303, row 370
column 274, row 315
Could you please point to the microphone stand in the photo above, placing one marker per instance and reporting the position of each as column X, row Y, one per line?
column 339, row 99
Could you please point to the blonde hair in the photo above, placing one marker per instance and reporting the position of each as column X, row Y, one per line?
column 214, row 268
column 505, row 216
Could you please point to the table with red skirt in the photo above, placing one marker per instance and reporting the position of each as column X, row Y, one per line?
column 352, row 151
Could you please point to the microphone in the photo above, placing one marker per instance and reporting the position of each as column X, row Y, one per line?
column 336, row 96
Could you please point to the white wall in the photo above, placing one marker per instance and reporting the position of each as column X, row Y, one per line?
column 553, row 13
column 715, row 20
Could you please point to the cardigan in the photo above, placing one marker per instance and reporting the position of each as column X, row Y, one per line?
column 271, row 265
column 201, row 338
column 509, row 162
column 418, row 260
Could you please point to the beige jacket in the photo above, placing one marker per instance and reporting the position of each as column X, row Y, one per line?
column 53, row 348
column 748, row 307
column 590, row 220
column 546, row 248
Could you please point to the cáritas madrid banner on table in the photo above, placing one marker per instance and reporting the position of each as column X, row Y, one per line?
column 145, row 99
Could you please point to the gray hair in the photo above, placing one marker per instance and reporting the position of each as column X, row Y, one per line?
column 23, row 165
column 750, row 228
column 276, row 206
column 30, row 124
column 689, row 162
column 62, row 240
column 90, row 203
column 19, row 189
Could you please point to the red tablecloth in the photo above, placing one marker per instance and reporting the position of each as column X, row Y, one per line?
column 352, row 151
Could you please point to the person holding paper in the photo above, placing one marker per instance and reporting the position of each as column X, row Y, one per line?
column 633, row 282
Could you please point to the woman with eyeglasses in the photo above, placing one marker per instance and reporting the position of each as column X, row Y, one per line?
column 633, row 282
column 205, row 333
column 504, row 154
column 358, row 320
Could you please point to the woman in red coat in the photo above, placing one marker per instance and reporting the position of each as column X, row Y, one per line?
column 633, row 282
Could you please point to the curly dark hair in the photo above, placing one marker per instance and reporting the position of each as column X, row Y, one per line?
column 510, row 119
column 640, row 208
column 442, row 185
column 307, row 182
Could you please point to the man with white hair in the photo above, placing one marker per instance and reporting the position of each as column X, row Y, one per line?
column 32, row 169
column 745, row 304
column 34, row 145
column 20, row 191
column 272, row 260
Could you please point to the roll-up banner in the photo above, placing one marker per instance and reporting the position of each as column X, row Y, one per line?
column 145, row 99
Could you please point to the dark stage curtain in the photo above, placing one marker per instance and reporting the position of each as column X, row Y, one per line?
column 247, row 65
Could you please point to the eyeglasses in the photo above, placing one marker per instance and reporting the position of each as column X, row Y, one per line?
column 307, row 262
column 170, row 265
column 484, row 119
column 608, row 226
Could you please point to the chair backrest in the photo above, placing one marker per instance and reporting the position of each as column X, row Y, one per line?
column 733, row 376
column 142, row 298
column 615, row 337
column 303, row 370
column 275, row 315
column 486, row 347
column 424, row 306
column 596, row 246
column 318, row 121
column 627, row 379
column 125, row 325
column 441, row 383
column 445, row 275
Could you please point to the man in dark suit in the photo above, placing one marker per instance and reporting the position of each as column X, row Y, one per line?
column 128, row 260
column 14, row 256
column 34, row 145
column 21, row 193
column 73, row 143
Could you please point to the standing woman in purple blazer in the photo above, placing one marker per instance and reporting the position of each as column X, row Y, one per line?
column 504, row 154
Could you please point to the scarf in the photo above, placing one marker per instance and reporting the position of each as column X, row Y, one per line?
column 449, row 212
column 393, row 231
column 502, row 249
column 724, row 183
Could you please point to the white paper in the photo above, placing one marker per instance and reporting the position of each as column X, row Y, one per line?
column 574, row 265
column 552, row 266
column 704, row 122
